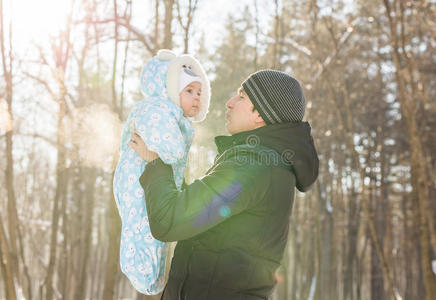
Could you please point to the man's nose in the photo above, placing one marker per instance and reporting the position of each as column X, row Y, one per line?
column 229, row 104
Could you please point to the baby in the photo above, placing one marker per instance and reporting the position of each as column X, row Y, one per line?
column 177, row 92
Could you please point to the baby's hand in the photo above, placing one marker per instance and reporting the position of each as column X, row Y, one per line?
column 137, row 144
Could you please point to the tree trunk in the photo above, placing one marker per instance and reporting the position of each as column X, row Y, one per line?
column 406, row 243
column 64, row 258
column 192, row 7
column 156, row 24
column 353, row 226
column 276, row 34
column 377, row 289
column 113, row 256
column 168, row 35
column 256, row 45
column 89, row 212
column 59, row 195
column 418, row 171
column 325, row 247
column 112, row 217
column 12, row 215
column 5, row 264
column 114, row 62
column 346, row 118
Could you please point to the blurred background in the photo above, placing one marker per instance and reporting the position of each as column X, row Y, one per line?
column 70, row 74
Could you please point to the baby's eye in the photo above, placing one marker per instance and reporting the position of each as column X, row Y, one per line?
column 198, row 94
column 189, row 91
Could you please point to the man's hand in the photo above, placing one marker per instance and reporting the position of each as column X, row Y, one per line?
column 137, row 144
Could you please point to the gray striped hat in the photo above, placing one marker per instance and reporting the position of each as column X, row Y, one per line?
column 277, row 96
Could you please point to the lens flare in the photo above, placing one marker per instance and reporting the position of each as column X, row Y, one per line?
column 225, row 211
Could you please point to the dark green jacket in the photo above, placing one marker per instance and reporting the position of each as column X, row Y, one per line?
column 232, row 224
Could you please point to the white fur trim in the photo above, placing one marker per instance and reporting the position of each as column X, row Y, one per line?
column 165, row 54
column 173, row 83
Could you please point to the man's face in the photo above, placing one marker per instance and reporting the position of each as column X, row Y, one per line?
column 240, row 114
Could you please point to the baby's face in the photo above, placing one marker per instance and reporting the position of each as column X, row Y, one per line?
column 190, row 99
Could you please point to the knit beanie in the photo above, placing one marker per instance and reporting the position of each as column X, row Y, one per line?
column 277, row 96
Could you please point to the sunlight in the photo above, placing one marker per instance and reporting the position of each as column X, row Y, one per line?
column 37, row 20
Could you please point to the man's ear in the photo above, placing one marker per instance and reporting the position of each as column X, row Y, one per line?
column 259, row 120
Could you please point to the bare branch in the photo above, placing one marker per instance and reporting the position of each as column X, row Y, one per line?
column 45, row 84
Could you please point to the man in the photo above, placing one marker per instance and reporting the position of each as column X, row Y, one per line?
column 232, row 224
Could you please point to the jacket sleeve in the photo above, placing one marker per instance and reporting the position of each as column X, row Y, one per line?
column 159, row 130
column 177, row 215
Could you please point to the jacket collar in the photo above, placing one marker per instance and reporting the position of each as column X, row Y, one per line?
column 224, row 142
column 293, row 141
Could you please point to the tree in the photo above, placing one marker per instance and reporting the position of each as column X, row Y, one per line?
column 192, row 7
column 409, row 94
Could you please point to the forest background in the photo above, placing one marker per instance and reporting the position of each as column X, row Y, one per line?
column 70, row 74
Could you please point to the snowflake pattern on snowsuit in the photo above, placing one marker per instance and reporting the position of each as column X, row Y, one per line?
column 165, row 130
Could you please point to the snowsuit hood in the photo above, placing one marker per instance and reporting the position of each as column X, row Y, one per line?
column 160, row 77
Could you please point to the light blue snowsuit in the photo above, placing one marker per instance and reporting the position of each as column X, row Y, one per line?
column 165, row 130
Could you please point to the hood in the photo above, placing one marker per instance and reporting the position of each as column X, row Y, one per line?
column 160, row 77
column 292, row 141
column 153, row 78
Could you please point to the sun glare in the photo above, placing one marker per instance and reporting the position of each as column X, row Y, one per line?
column 37, row 20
